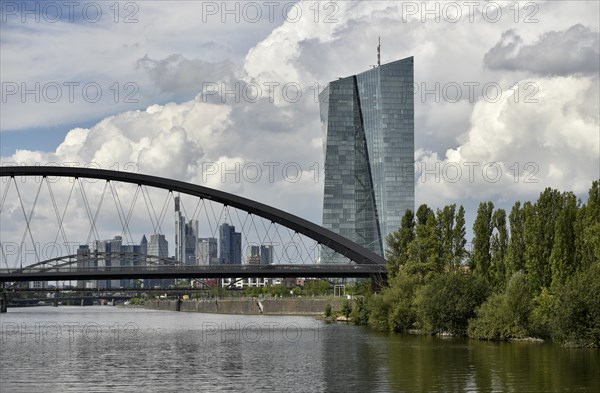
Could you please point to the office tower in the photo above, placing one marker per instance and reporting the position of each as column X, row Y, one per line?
column 230, row 245
column 83, row 261
column 253, row 255
column 368, row 139
column 186, row 237
column 144, row 245
column 110, row 248
column 158, row 246
column 266, row 255
column 207, row 251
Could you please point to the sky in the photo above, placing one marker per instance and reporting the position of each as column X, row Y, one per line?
column 225, row 94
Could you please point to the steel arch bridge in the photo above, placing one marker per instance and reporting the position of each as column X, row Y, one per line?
column 366, row 262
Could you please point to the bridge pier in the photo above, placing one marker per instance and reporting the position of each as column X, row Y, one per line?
column 178, row 304
column 3, row 300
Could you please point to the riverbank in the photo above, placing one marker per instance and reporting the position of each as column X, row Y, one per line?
column 249, row 306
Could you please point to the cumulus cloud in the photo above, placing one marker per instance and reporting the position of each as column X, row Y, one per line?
column 574, row 51
column 177, row 74
column 515, row 149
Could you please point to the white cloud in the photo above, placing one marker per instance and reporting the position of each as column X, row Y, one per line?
column 178, row 139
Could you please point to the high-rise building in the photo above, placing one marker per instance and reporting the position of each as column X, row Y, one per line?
column 230, row 245
column 368, row 139
column 110, row 248
column 207, row 251
column 253, row 255
column 83, row 261
column 266, row 255
column 186, row 237
column 144, row 245
column 158, row 246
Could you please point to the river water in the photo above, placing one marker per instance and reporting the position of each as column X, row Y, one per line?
column 112, row 349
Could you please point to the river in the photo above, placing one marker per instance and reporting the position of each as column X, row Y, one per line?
column 113, row 349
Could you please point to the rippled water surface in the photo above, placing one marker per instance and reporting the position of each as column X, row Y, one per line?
column 102, row 349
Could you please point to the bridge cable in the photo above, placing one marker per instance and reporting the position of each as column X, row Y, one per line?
column 10, row 179
column 154, row 226
column 164, row 209
column 120, row 212
column 242, row 224
column 283, row 245
column 1, row 207
column 88, row 209
column 61, row 228
column 135, row 197
column 196, row 209
column 212, row 231
column 27, row 221
column 106, row 184
column 217, row 221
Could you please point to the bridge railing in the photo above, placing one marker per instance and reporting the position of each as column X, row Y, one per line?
column 187, row 268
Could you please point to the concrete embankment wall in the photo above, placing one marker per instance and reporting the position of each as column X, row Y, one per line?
column 297, row 306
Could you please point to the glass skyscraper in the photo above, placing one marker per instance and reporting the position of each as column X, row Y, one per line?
column 186, row 237
column 368, row 140
column 230, row 245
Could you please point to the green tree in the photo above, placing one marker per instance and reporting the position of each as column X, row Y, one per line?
column 378, row 313
column 360, row 313
column 346, row 308
column 423, row 214
column 499, row 246
column 398, row 302
column 398, row 242
column 448, row 301
column 482, row 232
column 459, row 240
column 540, row 220
column 576, row 316
column 445, row 220
column 316, row 287
column 424, row 251
column 562, row 257
column 587, row 229
column 515, row 258
column 505, row 315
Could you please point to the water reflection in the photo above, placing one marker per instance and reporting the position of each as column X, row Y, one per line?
column 114, row 349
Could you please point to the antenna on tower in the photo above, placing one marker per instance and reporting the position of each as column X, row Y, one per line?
column 379, row 53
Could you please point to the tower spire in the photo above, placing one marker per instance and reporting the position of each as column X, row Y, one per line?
column 379, row 53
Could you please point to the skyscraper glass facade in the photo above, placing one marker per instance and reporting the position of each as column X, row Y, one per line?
column 186, row 237
column 368, row 139
column 230, row 245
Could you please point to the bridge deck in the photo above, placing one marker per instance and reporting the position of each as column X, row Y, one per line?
column 228, row 271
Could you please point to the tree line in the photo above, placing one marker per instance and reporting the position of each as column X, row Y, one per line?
column 531, row 273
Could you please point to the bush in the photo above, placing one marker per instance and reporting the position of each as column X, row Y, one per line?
column 448, row 301
column 328, row 310
column 399, row 298
column 542, row 315
column 576, row 317
column 360, row 313
column 346, row 308
column 505, row 315
column 378, row 313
